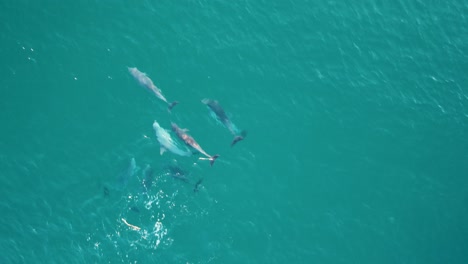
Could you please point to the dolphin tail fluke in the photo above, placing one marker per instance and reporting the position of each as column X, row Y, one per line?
column 213, row 158
column 162, row 150
column 171, row 105
column 236, row 139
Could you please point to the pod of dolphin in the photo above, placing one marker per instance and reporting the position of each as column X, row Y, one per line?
column 167, row 143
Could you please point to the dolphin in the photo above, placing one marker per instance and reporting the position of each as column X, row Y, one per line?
column 167, row 143
column 218, row 111
column 148, row 180
column 177, row 173
column 195, row 188
column 128, row 174
column 181, row 133
column 146, row 82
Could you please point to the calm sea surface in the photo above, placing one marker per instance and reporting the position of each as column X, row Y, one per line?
column 356, row 115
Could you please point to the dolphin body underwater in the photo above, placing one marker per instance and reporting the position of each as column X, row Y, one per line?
column 147, row 181
column 128, row 173
column 222, row 117
column 146, row 82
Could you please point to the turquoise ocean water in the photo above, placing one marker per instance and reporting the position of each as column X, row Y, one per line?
column 357, row 120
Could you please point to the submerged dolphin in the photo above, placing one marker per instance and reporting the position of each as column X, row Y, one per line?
column 166, row 141
column 146, row 82
column 148, row 180
column 195, row 188
column 181, row 133
column 177, row 172
column 129, row 173
column 224, row 119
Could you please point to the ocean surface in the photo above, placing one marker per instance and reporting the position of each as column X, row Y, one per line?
column 356, row 115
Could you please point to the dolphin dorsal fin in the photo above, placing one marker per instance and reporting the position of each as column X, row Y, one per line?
column 162, row 150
